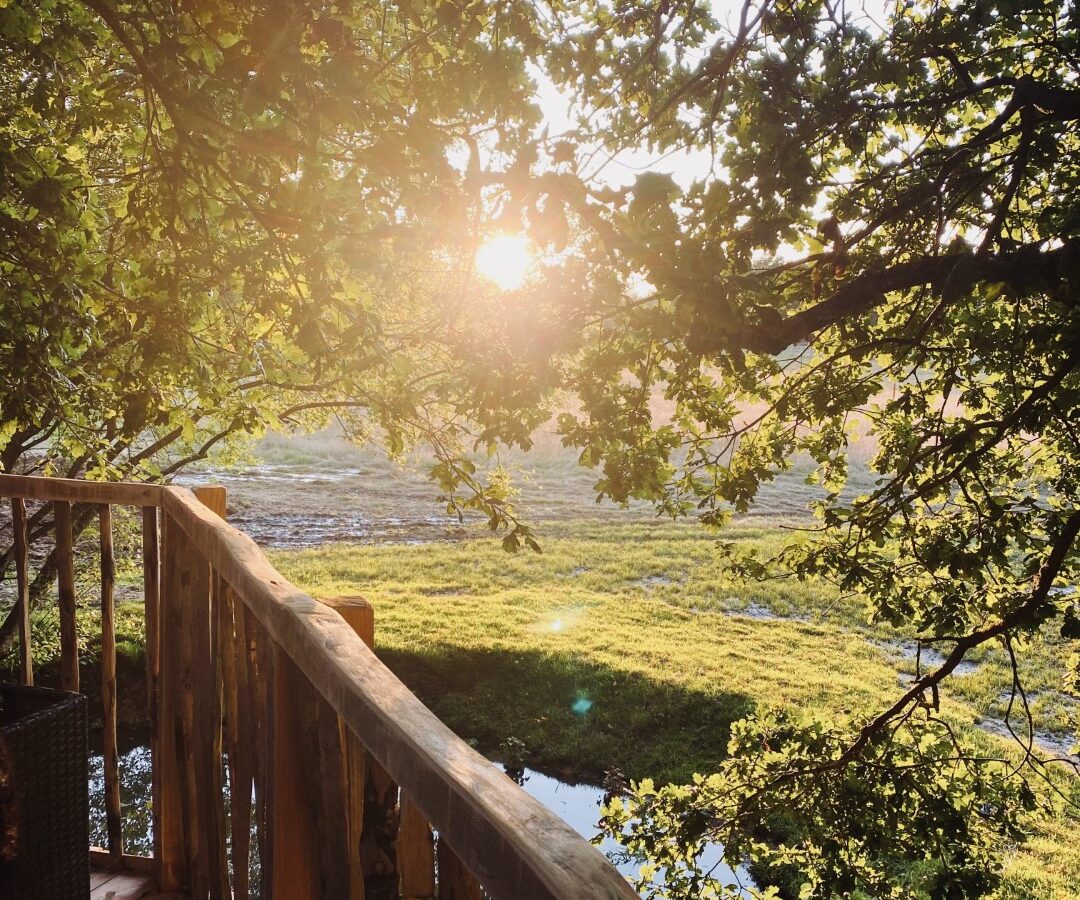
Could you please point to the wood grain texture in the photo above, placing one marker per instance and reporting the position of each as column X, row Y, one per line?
column 110, row 753
column 455, row 881
column 120, row 886
column 151, row 563
column 65, row 586
column 415, row 853
column 360, row 616
column 205, row 758
column 516, row 846
column 21, row 548
column 170, row 847
column 295, row 861
column 76, row 490
column 239, row 741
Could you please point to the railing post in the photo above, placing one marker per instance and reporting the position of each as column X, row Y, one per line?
column 110, row 753
column 205, row 765
column 317, row 783
column 191, row 844
column 21, row 546
column 170, row 847
column 360, row 614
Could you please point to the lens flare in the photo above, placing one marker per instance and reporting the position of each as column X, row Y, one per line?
column 505, row 260
column 581, row 706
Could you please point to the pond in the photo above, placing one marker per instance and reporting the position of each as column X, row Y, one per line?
column 576, row 804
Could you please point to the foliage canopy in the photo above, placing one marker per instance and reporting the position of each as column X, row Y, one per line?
column 229, row 216
column 885, row 248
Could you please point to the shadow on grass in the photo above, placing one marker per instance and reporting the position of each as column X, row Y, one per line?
column 575, row 718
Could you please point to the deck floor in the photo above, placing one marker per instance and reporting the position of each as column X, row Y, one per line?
column 124, row 886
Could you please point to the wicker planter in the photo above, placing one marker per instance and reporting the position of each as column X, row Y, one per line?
column 43, row 754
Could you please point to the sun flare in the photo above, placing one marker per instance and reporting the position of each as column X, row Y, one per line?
column 505, row 260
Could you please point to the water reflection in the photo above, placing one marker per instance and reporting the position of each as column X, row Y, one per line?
column 576, row 804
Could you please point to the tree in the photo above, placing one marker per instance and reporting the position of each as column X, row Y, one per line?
column 886, row 246
column 221, row 217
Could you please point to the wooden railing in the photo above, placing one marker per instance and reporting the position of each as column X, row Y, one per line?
column 340, row 781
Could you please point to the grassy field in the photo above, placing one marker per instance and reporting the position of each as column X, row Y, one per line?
column 628, row 647
column 625, row 645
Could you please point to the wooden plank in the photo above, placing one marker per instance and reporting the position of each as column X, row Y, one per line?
column 65, row 584
column 356, row 772
column 238, row 736
column 331, row 804
column 103, row 861
column 122, row 886
column 151, row 564
column 516, row 846
column 21, row 546
column 206, row 731
column 295, row 846
column 456, row 882
column 111, row 757
column 194, row 584
column 76, row 490
column 169, row 844
column 99, row 878
column 261, row 684
column 360, row 615
column 415, row 853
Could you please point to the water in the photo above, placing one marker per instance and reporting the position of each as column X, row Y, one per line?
column 576, row 804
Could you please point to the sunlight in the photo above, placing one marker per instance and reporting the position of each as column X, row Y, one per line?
column 505, row 260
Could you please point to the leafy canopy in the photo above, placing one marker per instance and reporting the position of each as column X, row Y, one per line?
column 221, row 217
column 883, row 252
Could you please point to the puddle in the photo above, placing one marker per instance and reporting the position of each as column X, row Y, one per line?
column 135, row 800
column 927, row 658
column 299, row 505
column 288, row 507
column 1053, row 745
column 576, row 804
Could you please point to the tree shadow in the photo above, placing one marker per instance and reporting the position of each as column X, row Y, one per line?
column 575, row 718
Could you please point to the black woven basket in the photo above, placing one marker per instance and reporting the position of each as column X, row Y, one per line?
column 43, row 750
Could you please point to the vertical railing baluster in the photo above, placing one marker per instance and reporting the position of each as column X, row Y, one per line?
column 151, row 565
column 206, row 722
column 236, row 723
column 263, row 694
column 21, row 547
column 356, row 764
column 108, row 685
column 174, row 871
column 415, row 847
column 455, row 881
column 65, row 586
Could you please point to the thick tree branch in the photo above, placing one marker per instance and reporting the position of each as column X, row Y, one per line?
column 1027, row 270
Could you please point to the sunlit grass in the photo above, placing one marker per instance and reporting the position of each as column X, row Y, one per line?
column 631, row 647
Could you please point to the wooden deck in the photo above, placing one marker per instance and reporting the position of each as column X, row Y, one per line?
column 327, row 750
column 125, row 886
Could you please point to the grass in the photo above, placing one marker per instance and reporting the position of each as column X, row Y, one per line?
column 624, row 645
column 628, row 646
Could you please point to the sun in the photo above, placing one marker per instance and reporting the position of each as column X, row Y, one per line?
column 505, row 259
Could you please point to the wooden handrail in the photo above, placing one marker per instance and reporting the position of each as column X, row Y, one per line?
column 75, row 490
column 236, row 652
column 510, row 841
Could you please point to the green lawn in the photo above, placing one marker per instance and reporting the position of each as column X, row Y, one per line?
column 629, row 647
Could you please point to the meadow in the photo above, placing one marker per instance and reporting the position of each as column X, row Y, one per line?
column 627, row 647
